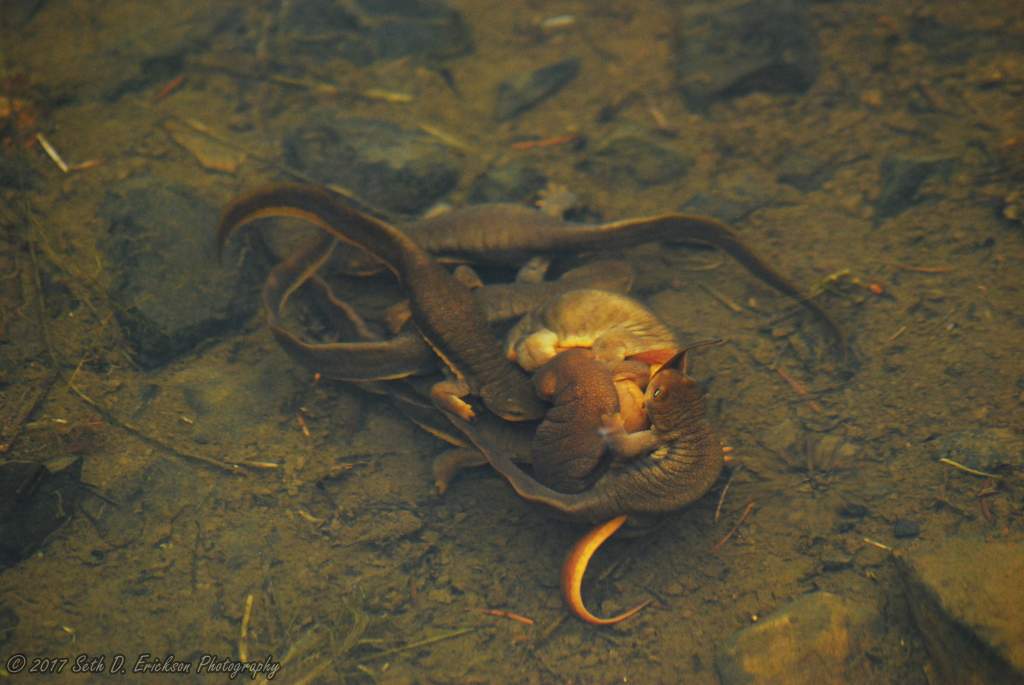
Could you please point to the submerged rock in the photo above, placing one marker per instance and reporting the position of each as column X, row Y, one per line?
column 727, row 49
column 967, row 600
column 523, row 91
column 512, row 182
column 169, row 290
column 819, row 638
column 987, row 449
column 387, row 166
column 635, row 160
column 371, row 30
column 902, row 176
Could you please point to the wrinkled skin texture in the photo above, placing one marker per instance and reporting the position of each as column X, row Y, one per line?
column 613, row 325
column 569, row 445
column 672, row 476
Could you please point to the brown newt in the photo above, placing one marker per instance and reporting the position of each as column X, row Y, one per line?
column 672, row 476
column 445, row 313
column 509, row 234
column 569, row 443
column 406, row 354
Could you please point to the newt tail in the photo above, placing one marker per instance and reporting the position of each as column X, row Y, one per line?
column 575, row 567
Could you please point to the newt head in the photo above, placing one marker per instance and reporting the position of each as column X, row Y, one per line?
column 672, row 396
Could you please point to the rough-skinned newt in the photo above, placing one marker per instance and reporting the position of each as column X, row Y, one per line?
column 446, row 315
column 406, row 354
column 509, row 234
column 674, row 475
column 569, row 444
column 669, row 478
column 615, row 326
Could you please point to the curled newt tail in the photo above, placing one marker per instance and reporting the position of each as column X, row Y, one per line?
column 575, row 567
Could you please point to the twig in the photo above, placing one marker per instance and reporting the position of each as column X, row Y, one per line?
column 52, row 153
column 243, row 633
column 721, row 498
column 419, row 643
column 898, row 333
column 743, row 517
column 544, row 142
column 968, row 469
column 511, row 615
column 879, row 545
column 799, row 388
column 736, row 309
column 924, row 269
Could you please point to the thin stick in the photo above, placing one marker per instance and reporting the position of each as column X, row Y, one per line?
column 743, row 517
column 924, row 269
column 799, row 388
column 52, row 153
column 898, row 333
column 725, row 301
column 510, row 615
column 968, row 469
column 721, row 498
column 243, row 633
column 879, row 545
column 420, row 643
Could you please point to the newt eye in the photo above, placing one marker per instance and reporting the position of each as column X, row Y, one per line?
column 657, row 393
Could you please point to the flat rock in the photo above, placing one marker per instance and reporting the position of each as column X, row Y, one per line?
column 819, row 638
column 902, row 177
column 370, row 30
column 636, row 160
column 726, row 49
column 967, row 600
column 523, row 91
column 388, row 166
column 170, row 292
column 984, row 449
column 210, row 154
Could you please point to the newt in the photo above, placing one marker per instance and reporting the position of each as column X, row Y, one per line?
column 570, row 442
column 675, row 474
column 615, row 326
column 406, row 354
column 446, row 315
column 508, row 234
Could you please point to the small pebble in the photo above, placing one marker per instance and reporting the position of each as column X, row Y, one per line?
column 853, row 511
column 905, row 528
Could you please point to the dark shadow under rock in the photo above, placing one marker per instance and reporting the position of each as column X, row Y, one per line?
column 169, row 292
column 635, row 160
column 35, row 500
column 389, row 167
column 902, row 176
column 523, row 91
column 727, row 49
